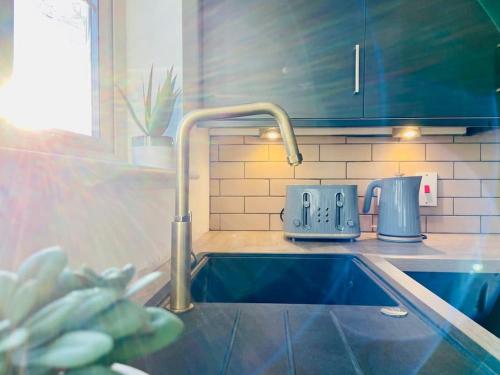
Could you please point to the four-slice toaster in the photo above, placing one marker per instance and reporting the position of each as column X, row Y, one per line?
column 321, row 211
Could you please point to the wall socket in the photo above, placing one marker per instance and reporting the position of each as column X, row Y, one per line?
column 428, row 189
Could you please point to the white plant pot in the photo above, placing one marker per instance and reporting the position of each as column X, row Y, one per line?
column 126, row 370
column 156, row 152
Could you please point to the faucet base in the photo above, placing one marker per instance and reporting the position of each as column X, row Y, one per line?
column 180, row 311
column 180, row 295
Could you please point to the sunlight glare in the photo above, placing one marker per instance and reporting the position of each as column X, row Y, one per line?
column 51, row 84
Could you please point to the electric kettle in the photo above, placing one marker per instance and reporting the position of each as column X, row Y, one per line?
column 399, row 215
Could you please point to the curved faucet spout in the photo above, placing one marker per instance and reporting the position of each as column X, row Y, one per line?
column 180, row 297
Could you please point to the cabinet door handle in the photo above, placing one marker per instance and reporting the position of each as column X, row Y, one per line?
column 356, row 69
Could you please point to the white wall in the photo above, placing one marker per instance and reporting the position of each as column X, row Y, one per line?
column 103, row 217
column 155, row 36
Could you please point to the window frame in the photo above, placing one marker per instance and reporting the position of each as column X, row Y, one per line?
column 108, row 140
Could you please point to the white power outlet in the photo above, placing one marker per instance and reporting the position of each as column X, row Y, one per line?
column 428, row 189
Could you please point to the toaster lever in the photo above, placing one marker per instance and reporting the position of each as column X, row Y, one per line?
column 339, row 211
column 306, row 206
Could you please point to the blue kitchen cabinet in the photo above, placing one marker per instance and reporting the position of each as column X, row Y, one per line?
column 300, row 54
column 430, row 59
column 431, row 62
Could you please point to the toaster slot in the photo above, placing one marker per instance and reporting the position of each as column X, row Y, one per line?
column 339, row 211
column 306, row 207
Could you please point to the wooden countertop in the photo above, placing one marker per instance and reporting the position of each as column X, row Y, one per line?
column 441, row 246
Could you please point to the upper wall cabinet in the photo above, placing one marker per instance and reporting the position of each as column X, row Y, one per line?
column 370, row 60
column 305, row 55
column 430, row 58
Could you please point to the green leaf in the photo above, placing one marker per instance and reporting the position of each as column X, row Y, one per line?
column 167, row 328
column 14, row 340
column 142, row 283
column 94, row 301
column 120, row 320
column 147, row 101
column 132, row 112
column 92, row 370
column 8, row 282
column 44, row 264
column 164, row 106
column 72, row 350
column 25, row 298
column 49, row 321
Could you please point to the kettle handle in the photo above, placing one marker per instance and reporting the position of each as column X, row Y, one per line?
column 369, row 194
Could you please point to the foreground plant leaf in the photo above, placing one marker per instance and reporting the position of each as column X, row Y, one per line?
column 122, row 319
column 25, row 297
column 8, row 282
column 92, row 302
column 167, row 328
column 72, row 350
column 142, row 283
column 49, row 321
column 92, row 370
column 14, row 340
column 44, row 264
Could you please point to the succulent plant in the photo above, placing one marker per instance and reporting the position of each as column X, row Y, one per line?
column 55, row 320
column 157, row 118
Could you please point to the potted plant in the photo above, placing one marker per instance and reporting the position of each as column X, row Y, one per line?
column 153, row 148
column 56, row 320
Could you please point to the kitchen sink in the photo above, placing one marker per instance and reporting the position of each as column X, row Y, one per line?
column 288, row 279
column 476, row 294
column 308, row 314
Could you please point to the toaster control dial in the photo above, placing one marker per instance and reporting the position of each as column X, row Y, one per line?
column 350, row 223
column 296, row 222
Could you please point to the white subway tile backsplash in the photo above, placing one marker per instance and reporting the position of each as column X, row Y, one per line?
column 444, row 207
column 490, row 188
column 249, row 176
column 244, row 187
column 477, row 170
column 227, row 170
column 319, row 139
column 244, row 222
column 459, row 188
column 361, row 184
column 398, row 152
column 214, row 153
column 490, row 224
column 270, row 169
column 278, row 187
column 320, row 170
column 477, row 206
column 270, row 205
column 214, row 222
column 243, row 152
column 345, row 152
column 491, row 136
column 358, row 170
column 214, row 188
column 453, row 152
column 227, row 205
column 443, row 169
column 309, row 152
column 453, row 224
column 226, row 139
column 490, row 152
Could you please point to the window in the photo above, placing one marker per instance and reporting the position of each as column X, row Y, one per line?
column 62, row 87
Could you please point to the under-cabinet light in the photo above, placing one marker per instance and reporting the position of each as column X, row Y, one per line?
column 270, row 133
column 406, row 132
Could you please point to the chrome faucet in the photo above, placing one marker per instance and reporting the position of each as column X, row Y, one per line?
column 180, row 296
